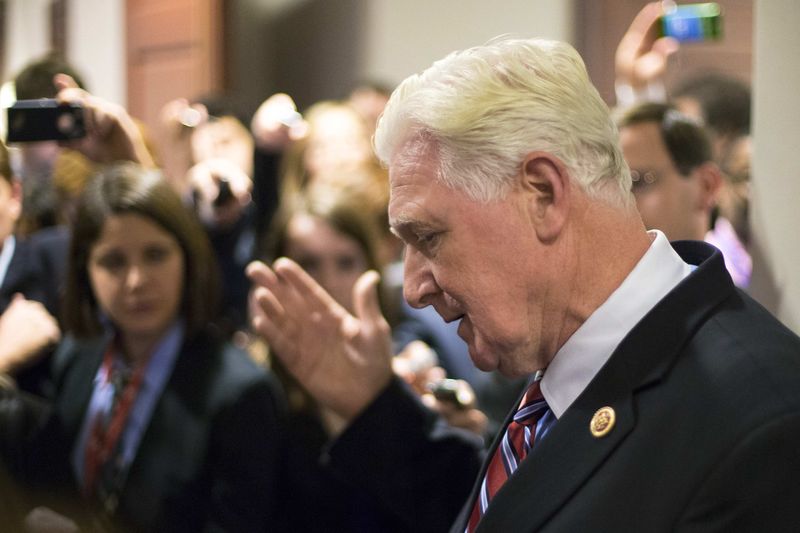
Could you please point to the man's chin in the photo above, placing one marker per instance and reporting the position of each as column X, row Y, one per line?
column 484, row 361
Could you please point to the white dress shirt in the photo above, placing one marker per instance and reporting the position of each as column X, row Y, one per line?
column 588, row 349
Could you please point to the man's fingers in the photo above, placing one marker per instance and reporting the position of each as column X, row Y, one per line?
column 257, row 271
column 266, row 317
column 271, row 306
column 365, row 298
column 280, row 295
column 308, row 290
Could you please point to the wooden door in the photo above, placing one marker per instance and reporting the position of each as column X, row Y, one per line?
column 174, row 49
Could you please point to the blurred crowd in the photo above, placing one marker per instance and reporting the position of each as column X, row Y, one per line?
column 133, row 394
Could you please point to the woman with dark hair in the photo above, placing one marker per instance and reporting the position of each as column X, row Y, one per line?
column 156, row 418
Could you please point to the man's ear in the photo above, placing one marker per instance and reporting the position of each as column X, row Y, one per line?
column 547, row 182
column 710, row 181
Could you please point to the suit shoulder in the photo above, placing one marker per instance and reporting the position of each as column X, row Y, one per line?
column 71, row 349
column 743, row 345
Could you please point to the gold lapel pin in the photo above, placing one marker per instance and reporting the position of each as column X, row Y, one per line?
column 602, row 422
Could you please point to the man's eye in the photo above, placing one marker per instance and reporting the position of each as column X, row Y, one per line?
column 428, row 239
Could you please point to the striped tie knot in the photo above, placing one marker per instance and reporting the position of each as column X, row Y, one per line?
column 528, row 426
column 531, row 411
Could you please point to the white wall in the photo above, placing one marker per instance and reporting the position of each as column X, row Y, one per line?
column 95, row 41
column 776, row 161
column 406, row 36
column 96, row 45
column 27, row 33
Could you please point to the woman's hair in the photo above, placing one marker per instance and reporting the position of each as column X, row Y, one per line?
column 127, row 188
column 344, row 208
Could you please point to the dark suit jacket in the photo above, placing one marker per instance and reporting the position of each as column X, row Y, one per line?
column 208, row 459
column 706, row 391
column 37, row 271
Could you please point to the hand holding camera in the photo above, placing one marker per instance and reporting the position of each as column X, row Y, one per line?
column 100, row 130
column 221, row 191
column 277, row 123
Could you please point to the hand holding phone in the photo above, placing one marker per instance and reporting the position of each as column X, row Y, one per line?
column 454, row 391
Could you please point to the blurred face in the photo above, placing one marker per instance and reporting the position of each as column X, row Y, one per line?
column 224, row 138
column 338, row 139
column 370, row 104
column 333, row 259
column 136, row 270
column 734, row 198
column 10, row 207
column 479, row 263
column 666, row 200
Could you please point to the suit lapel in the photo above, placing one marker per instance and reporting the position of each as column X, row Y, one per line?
column 14, row 280
column 78, row 383
column 560, row 464
column 570, row 454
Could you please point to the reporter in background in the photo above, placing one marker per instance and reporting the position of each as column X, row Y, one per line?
column 720, row 102
column 155, row 418
column 674, row 178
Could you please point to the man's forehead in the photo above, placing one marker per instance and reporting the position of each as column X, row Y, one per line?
column 413, row 185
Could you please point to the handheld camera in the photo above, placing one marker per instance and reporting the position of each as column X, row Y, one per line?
column 44, row 119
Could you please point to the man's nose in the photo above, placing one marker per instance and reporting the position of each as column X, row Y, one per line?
column 419, row 285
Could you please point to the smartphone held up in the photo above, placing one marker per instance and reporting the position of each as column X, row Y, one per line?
column 44, row 119
column 692, row 22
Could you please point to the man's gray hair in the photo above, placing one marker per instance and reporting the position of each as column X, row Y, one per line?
column 485, row 108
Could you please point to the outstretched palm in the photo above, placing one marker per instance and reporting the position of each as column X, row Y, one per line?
column 343, row 360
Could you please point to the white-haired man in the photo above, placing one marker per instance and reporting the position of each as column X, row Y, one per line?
column 669, row 400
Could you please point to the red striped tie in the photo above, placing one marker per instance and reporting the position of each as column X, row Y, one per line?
column 532, row 419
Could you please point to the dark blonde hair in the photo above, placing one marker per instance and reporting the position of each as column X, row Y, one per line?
column 127, row 188
column 340, row 206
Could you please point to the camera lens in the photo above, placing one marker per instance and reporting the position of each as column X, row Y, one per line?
column 66, row 124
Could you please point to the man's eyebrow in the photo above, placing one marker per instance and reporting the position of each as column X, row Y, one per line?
column 405, row 227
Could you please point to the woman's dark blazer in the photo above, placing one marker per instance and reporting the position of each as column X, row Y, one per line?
column 207, row 460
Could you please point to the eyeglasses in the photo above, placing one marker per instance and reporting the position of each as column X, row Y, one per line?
column 643, row 181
